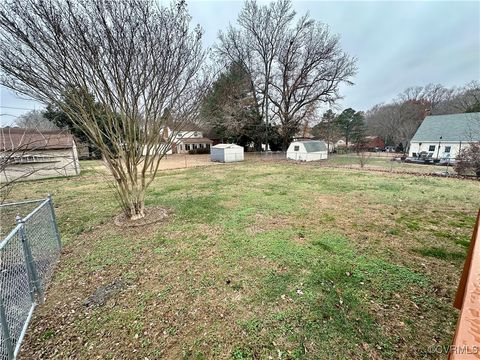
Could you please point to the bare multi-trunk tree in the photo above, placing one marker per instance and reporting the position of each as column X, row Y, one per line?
column 292, row 67
column 136, row 63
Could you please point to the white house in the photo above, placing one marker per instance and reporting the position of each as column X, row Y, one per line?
column 227, row 153
column 310, row 150
column 183, row 139
column 187, row 137
column 186, row 140
column 443, row 136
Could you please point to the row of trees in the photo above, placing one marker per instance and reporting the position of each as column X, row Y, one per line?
column 348, row 125
column 396, row 122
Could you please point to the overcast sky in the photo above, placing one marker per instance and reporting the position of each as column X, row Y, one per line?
column 397, row 44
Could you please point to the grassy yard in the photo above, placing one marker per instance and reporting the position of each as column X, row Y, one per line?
column 257, row 261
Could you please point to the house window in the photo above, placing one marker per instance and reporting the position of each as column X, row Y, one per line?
column 181, row 147
column 447, row 149
column 431, row 148
column 208, row 146
column 187, row 147
column 201, row 146
column 296, row 148
column 194, row 146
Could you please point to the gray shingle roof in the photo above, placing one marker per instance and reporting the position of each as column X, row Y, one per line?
column 314, row 145
column 453, row 127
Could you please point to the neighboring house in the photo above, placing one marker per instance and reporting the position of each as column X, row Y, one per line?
column 188, row 137
column 338, row 145
column 443, row 136
column 183, row 139
column 191, row 140
column 311, row 150
column 32, row 154
column 374, row 143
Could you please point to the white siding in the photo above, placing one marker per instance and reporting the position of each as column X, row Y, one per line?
column 227, row 153
column 455, row 147
column 55, row 163
column 302, row 155
column 157, row 150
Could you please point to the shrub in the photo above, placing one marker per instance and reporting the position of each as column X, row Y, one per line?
column 469, row 160
column 199, row 151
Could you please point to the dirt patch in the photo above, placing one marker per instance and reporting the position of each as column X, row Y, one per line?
column 264, row 223
column 153, row 214
column 103, row 293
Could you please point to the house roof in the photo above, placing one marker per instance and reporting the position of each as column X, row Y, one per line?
column 195, row 140
column 184, row 126
column 453, row 127
column 314, row 145
column 18, row 139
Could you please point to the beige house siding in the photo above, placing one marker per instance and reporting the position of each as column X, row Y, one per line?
column 61, row 162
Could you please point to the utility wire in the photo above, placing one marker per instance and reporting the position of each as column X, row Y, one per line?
column 17, row 108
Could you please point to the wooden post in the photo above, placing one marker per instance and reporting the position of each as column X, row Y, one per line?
column 466, row 344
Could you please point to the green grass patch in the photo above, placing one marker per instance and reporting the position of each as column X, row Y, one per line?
column 440, row 253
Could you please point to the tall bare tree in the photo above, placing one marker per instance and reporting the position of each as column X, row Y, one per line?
column 254, row 44
column 309, row 69
column 34, row 119
column 141, row 62
column 292, row 67
column 431, row 95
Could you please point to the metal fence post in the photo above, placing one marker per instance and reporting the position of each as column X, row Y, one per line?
column 54, row 222
column 34, row 280
column 6, row 331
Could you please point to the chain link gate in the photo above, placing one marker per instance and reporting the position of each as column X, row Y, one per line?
column 28, row 255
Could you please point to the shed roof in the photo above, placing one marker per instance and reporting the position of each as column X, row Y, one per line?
column 15, row 139
column 226, row 146
column 453, row 127
column 314, row 145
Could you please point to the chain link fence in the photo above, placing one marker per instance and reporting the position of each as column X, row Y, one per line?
column 265, row 156
column 28, row 254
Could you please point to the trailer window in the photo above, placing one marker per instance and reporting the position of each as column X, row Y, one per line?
column 431, row 148
column 447, row 149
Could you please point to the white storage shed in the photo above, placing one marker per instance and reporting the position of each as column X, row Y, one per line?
column 310, row 150
column 226, row 153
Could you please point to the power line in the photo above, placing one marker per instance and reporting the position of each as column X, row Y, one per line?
column 11, row 115
column 17, row 108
